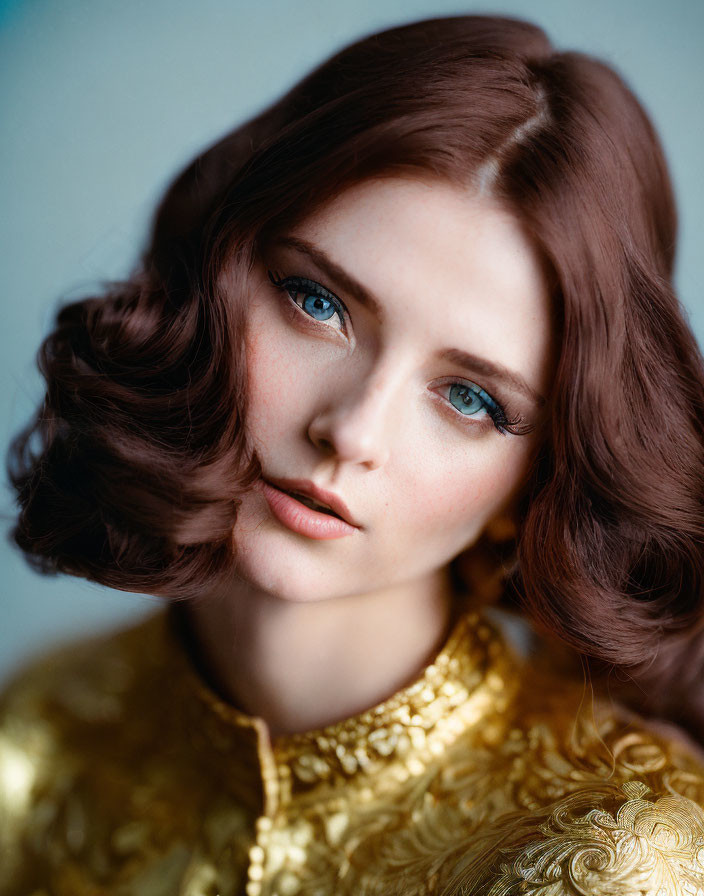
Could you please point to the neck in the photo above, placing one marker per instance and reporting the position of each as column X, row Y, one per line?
column 301, row 666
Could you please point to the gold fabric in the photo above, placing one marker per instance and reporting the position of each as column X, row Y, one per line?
column 122, row 773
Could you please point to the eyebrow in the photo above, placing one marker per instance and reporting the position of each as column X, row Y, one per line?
column 498, row 372
column 471, row 363
column 335, row 272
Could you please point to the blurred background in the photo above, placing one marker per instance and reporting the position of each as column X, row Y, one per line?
column 102, row 102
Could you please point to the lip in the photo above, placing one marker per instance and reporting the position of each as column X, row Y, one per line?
column 300, row 518
column 311, row 490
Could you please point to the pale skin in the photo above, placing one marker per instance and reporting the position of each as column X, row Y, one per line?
column 313, row 631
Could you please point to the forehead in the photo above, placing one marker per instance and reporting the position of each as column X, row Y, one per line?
column 452, row 268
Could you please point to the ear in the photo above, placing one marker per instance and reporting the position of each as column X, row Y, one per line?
column 482, row 569
column 501, row 528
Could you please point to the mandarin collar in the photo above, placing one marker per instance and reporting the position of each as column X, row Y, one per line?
column 468, row 684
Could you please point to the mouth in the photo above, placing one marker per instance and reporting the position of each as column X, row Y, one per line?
column 300, row 512
column 315, row 498
column 311, row 502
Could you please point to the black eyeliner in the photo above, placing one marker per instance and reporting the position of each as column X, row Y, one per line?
column 501, row 422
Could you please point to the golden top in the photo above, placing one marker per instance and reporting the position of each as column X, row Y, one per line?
column 123, row 773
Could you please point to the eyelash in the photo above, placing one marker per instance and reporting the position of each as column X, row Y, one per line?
column 295, row 286
column 514, row 426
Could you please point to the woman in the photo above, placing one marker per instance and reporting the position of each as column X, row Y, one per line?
column 405, row 342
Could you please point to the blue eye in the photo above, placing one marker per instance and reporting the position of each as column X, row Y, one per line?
column 471, row 400
column 466, row 399
column 317, row 306
column 312, row 298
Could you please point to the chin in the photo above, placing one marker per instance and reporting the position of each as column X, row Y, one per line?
column 279, row 569
column 284, row 565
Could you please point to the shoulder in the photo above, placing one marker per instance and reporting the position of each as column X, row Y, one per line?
column 62, row 730
column 595, row 800
column 605, row 841
column 81, row 684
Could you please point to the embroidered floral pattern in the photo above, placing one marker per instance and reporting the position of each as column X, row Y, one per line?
column 121, row 774
column 652, row 848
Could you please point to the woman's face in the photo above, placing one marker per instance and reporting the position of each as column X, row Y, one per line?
column 390, row 336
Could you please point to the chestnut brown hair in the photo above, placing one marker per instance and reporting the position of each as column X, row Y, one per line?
column 132, row 471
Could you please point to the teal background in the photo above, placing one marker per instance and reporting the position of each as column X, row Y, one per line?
column 101, row 102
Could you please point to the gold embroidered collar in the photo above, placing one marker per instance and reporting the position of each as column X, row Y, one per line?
column 468, row 685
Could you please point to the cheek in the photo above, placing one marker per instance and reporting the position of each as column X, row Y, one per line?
column 278, row 383
column 453, row 497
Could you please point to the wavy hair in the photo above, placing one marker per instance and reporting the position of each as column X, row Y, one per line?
column 131, row 472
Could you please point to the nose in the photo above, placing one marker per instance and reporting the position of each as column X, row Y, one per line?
column 356, row 426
